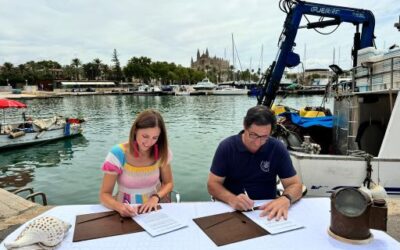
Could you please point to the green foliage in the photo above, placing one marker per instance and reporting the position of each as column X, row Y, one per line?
column 141, row 68
column 116, row 73
column 31, row 71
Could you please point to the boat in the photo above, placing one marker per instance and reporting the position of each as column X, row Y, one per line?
column 148, row 90
column 357, row 145
column 360, row 146
column 229, row 91
column 32, row 131
column 183, row 90
column 205, row 84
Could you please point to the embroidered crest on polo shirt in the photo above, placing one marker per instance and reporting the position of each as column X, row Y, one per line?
column 264, row 165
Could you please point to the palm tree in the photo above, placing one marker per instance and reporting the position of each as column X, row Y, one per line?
column 98, row 65
column 8, row 66
column 76, row 63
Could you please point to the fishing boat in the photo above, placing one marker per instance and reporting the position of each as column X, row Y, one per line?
column 357, row 145
column 32, row 131
column 361, row 147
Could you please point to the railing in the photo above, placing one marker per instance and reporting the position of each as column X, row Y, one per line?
column 378, row 75
column 32, row 195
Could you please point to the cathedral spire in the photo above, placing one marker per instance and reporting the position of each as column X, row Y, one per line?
column 198, row 54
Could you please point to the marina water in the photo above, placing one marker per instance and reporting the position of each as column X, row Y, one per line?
column 68, row 171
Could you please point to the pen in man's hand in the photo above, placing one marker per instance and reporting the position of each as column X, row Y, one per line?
column 244, row 190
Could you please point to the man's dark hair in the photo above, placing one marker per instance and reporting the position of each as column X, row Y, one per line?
column 259, row 115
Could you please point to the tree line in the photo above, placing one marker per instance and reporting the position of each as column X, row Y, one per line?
column 141, row 68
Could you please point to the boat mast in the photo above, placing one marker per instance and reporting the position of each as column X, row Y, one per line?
column 261, row 61
column 233, row 59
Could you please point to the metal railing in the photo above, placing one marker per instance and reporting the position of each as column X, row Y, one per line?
column 32, row 194
column 378, row 75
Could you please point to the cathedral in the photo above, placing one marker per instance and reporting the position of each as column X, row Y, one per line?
column 206, row 63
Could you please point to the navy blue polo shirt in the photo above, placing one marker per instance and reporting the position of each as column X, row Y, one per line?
column 255, row 172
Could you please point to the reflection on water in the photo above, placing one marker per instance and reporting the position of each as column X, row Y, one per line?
column 17, row 167
column 68, row 171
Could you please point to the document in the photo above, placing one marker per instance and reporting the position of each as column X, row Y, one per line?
column 272, row 226
column 158, row 222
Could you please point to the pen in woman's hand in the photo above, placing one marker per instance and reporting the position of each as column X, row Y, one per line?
column 130, row 208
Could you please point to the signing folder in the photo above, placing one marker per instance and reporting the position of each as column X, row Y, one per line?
column 99, row 225
column 104, row 224
column 230, row 227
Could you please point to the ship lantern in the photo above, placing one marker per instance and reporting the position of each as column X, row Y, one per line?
column 354, row 213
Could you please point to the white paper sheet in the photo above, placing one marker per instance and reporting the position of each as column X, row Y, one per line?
column 272, row 226
column 157, row 223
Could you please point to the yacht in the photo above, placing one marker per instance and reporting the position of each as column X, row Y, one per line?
column 205, row 84
column 229, row 91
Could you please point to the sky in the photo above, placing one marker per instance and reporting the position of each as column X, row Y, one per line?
column 174, row 30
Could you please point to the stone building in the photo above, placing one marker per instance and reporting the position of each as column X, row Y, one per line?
column 211, row 65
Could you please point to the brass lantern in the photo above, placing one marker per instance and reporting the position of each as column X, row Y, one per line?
column 354, row 213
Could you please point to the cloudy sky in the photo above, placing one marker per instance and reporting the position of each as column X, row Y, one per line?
column 173, row 30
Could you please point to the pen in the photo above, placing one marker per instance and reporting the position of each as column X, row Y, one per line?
column 125, row 201
column 121, row 219
column 244, row 190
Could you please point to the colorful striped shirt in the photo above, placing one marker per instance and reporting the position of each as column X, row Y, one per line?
column 135, row 183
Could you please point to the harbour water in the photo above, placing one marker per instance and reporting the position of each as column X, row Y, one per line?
column 68, row 171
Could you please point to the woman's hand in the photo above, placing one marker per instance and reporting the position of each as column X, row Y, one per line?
column 126, row 210
column 150, row 205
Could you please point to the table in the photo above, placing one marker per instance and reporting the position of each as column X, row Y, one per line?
column 313, row 213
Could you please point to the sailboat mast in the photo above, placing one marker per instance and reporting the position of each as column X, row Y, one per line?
column 261, row 62
column 250, row 69
column 233, row 59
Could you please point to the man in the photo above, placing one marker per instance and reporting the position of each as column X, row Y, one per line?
column 245, row 167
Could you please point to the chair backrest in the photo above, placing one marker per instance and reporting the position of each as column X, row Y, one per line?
column 173, row 196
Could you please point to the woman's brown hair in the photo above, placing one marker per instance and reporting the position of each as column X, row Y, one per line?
column 151, row 118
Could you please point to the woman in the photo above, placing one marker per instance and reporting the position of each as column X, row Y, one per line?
column 141, row 167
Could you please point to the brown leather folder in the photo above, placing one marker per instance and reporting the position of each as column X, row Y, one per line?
column 227, row 228
column 99, row 225
column 104, row 224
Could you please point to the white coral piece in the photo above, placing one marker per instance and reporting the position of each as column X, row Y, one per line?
column 42, row 233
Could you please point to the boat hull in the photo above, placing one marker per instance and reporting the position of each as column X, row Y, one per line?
column 38, row 137
column 324, row 174
column 230, row 92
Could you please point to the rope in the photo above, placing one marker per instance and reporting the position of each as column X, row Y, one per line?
column 359, row 153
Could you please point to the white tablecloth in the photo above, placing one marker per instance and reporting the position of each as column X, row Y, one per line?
column 313, row 213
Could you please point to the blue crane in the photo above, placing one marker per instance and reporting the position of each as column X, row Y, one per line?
column 295, row 10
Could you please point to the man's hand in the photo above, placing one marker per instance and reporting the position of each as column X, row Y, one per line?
column 241, row 202
column 126, row 210
column 277, row 208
